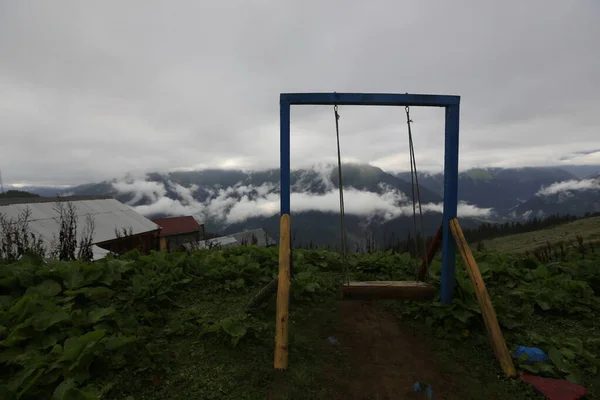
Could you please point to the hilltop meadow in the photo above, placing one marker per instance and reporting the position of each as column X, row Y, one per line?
column 181, row 325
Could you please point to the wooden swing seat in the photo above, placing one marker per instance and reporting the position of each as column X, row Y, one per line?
column 400, row 290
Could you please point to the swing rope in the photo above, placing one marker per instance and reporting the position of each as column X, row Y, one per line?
column 414, row 179
column 341, row 186
column 415, row 199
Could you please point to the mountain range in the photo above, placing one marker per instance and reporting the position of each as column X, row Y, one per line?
column 522, row 192
column 375, row 201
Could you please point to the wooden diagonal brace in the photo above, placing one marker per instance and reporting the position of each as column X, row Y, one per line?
column 487, row 309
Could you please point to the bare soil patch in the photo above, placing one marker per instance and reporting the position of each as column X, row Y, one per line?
column 385, row 359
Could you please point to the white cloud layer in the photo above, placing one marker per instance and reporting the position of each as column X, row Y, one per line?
column 573, row 185
column 237, row 203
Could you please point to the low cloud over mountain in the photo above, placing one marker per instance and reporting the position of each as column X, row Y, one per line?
column 312, row 190
column 234, row 200
column 570, row 186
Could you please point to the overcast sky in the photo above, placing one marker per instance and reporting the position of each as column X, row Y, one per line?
column 93, row 90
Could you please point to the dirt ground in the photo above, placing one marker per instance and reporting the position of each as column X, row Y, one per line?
column 385, row 359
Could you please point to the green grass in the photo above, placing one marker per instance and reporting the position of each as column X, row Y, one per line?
column 210, row 368
column 474, row 360
column 193, row 338
column 587, row 228
column 469, row 359
column 482, row 377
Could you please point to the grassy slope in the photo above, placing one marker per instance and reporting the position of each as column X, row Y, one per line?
column 198, row 366
column 588, row 228
column 211, row 368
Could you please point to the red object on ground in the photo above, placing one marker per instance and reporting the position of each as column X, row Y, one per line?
column 555, row 389
column 177, row 225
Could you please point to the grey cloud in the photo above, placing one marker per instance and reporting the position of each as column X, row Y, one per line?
column 92, row 90
column 581, row 154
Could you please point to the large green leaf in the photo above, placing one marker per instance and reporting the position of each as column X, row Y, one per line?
column 8, row 282
column 19, row 333
column 48, row 317
column 74, row 346
column 98, row 314
column 118, row 341
column 69, row 390
column 92, row 293
column 48, row 288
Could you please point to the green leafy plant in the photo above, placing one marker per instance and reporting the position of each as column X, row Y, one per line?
column 65, row 325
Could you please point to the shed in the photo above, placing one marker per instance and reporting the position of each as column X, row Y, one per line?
column 109, row 216
column 255, row 237
column 223, row 241
column 177, row 231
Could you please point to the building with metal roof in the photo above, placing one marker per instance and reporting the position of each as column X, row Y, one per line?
column 220, row 242
column 177, row 231
column 110, row 216
column 255, row 237
column 177, row 225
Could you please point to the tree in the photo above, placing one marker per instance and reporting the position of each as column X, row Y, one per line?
column 67, row 236
column 67, row 246
column 16, row 238
column 86, row 242
column 16, row 194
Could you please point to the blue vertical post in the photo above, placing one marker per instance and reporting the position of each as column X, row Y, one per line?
column 284, row 149
column 450, row 202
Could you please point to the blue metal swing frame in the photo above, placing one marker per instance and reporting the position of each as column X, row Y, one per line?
column 452, row 106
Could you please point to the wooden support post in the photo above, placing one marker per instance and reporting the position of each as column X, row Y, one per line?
column 487, row 309
column 283, row 294
column 163, row 243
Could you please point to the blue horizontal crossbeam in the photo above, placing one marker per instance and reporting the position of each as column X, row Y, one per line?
column 369, row 99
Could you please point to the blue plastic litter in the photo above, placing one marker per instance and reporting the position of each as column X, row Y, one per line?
column 428, row 390
column 417, row 387
column 534, row 354
column 332, row 340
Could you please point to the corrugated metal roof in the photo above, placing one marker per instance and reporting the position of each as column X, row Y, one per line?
column 224, row 241
column 109, row 214
column 99, row 252
column 177, row 225
column 262, row 238
column 236, row 239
